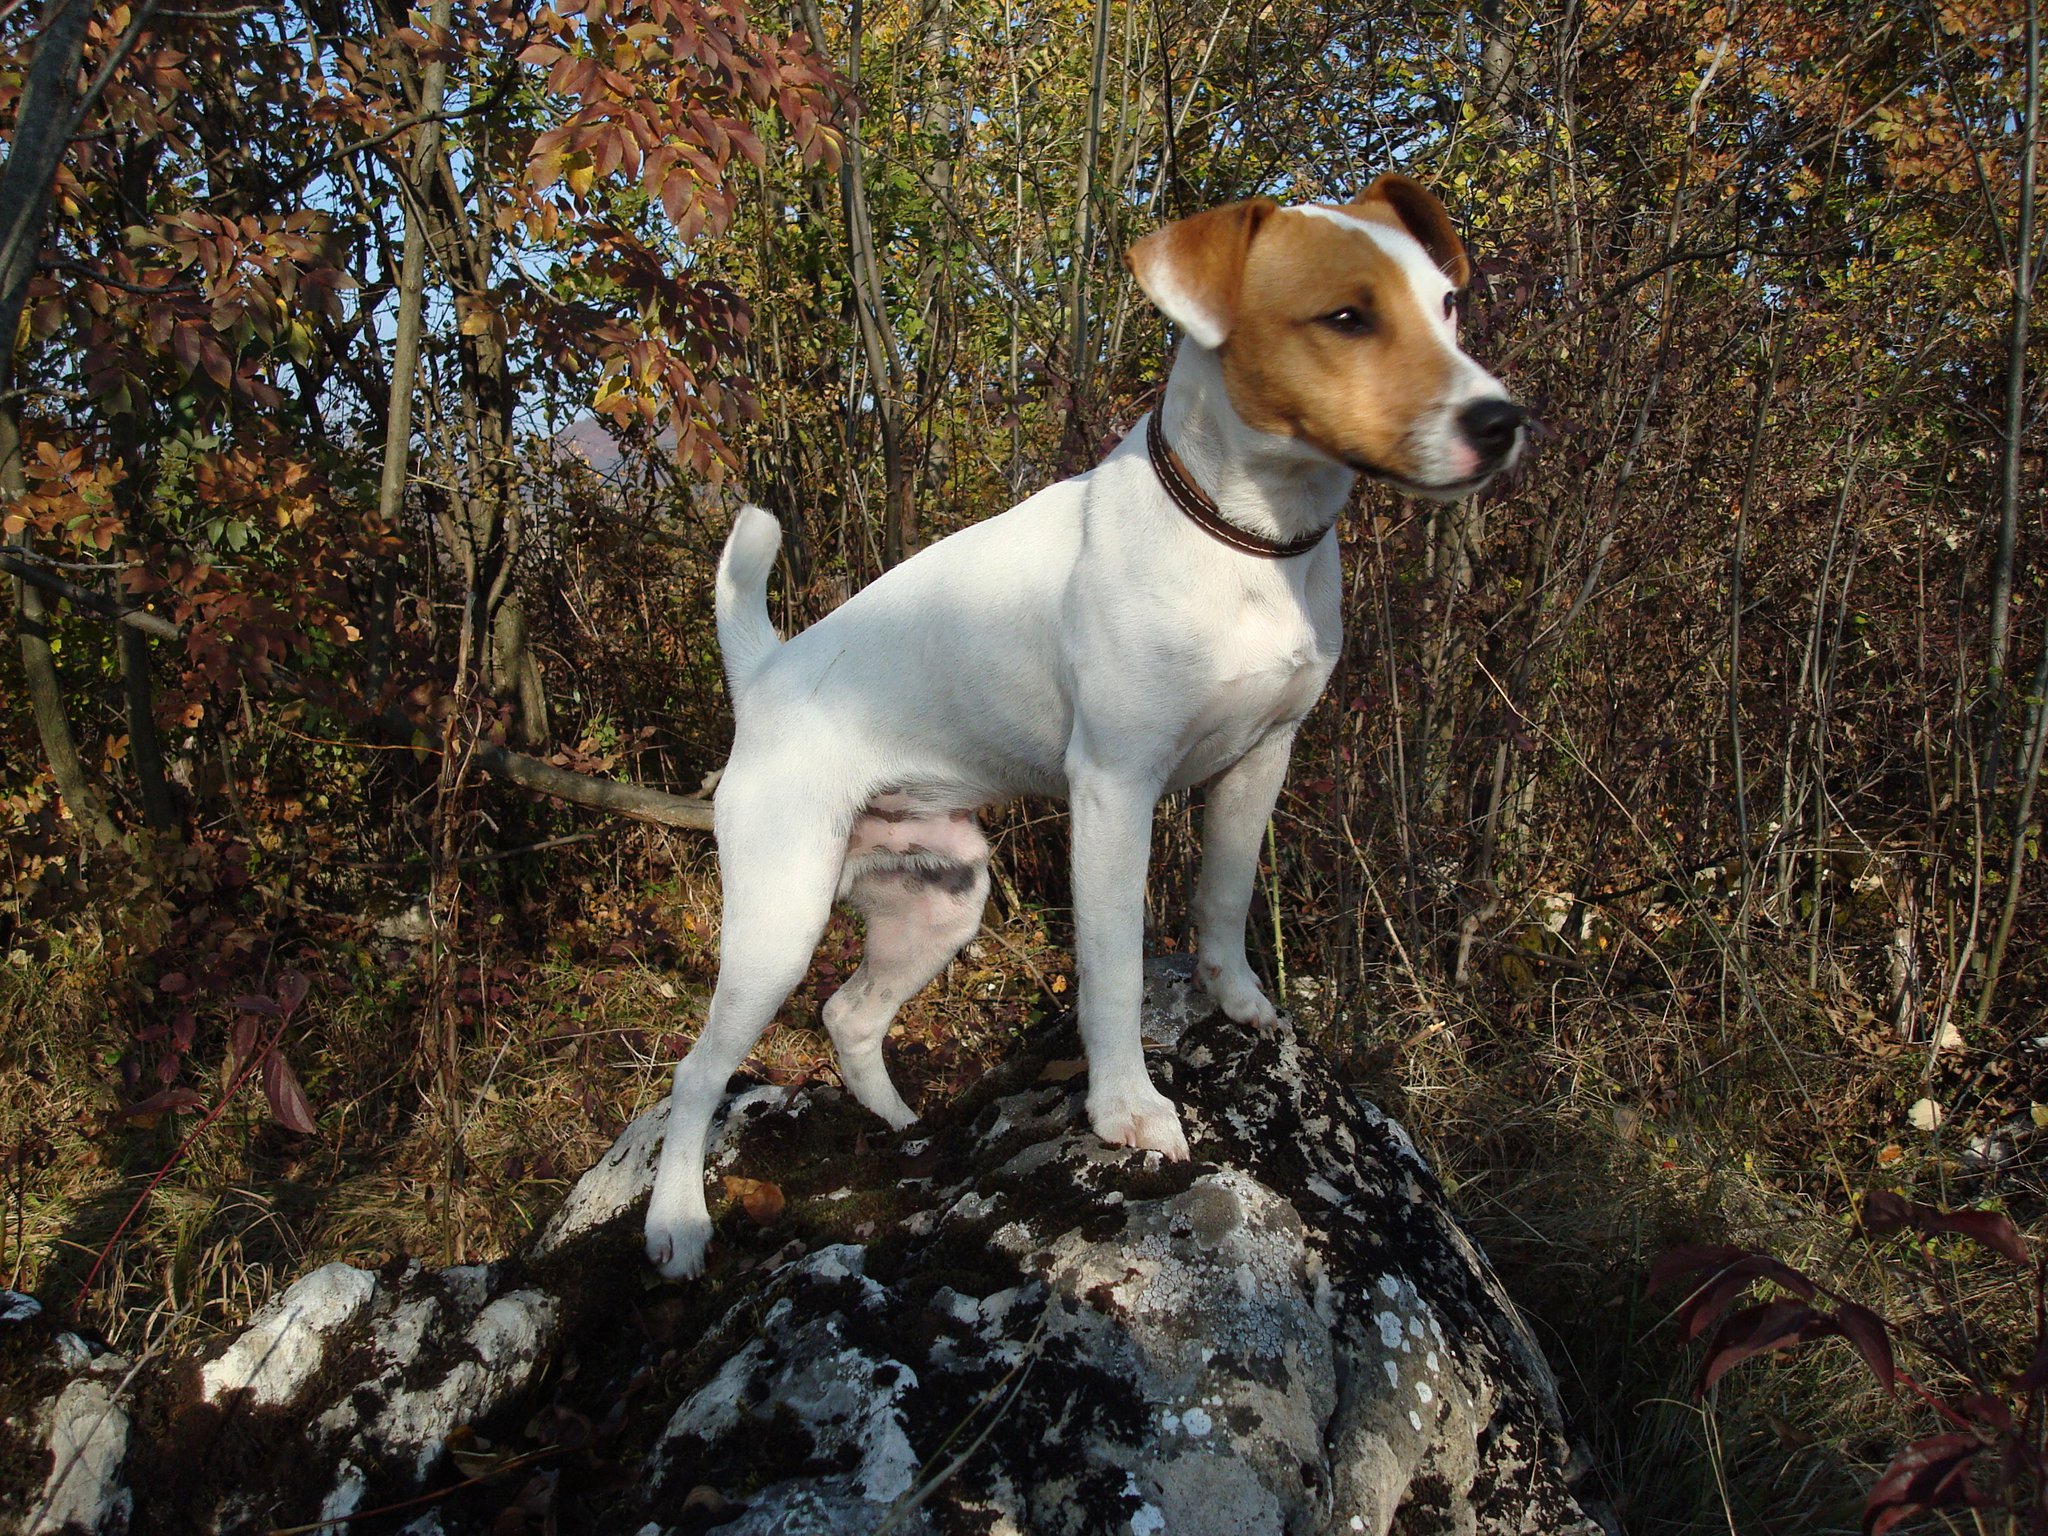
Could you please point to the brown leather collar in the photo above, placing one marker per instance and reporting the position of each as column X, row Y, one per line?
column 1205, row 514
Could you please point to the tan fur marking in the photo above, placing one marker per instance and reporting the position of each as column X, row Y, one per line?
column 1355, row 397
column 1416, row 210
column 1201, row 260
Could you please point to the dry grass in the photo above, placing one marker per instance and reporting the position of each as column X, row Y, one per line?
column 554, row 1063
column 1582, row 1135
column 1579, row 1133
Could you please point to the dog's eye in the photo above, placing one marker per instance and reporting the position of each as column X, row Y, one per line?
column 1451, row 305
column 1351, row 320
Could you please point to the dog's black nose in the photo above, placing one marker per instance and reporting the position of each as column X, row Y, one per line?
column 1490, row 426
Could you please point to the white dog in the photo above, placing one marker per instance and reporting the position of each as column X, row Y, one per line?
column 1164, row 620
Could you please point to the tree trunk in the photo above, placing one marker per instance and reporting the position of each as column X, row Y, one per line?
column 935, row 277
column 131, row 498
column 486, row 529
column 2023, row 273
column 43, row 120
column 145, row 752
column 412, row 279
column 515, row 673
column 380, row 617
column 1077, row 447
column 39, row 665
column 877, row 336
column 1496, row 59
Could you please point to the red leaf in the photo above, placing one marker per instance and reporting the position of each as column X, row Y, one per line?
column 287, row 1098
column 185, row 346
column 1683, row 1263
column 216, row 363
column 1988, row 1229
column 175, row 983
column 1928, row 1474
column 2035, row 1376
column 1884, row 1212
column 183, row 1028
column 1758, row 1330
column 242, row 1040
column 1866, row 1331
column 1985, row 1409
column 169, row 1101
column 291, row 990
column 250, row 1002
column 1699, row 1310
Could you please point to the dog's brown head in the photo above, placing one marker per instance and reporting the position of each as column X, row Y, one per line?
column 1338, row 326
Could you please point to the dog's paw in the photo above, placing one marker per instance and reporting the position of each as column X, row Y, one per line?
column 677, row 1248
column 881, row 1099
column 901, row 1117
column 1237, row 992
column 1146, row 1120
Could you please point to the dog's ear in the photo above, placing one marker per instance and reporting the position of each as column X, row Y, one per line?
column 1193, row 269
column 1424, row 218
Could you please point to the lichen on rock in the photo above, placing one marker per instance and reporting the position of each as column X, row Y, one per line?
column 992, row 1324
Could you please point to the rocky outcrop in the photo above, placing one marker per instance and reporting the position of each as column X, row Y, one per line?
column 991, row 1323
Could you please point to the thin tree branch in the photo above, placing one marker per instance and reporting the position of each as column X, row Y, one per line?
column 98, row 603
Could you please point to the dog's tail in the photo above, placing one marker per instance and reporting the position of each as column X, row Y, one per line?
column 745, row 634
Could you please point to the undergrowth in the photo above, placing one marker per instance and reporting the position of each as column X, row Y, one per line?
column 1582, row 1130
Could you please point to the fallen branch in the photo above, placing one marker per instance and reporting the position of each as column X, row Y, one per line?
column 635, row 800
column 689, row 812
column 89, row 600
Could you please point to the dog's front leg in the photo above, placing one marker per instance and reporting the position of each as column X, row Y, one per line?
column 1241, row 801
column 1112, row 821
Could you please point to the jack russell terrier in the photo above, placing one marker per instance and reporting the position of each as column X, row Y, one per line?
column 1165, row 619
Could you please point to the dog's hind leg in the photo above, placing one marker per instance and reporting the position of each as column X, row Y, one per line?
column 779, row 882
column 917, row 918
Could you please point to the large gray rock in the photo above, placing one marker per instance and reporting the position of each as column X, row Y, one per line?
column 990, row 1324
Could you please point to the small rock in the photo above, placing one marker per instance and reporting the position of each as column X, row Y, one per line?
column 412, row 924
column 88, row 1441
column 285, row 1341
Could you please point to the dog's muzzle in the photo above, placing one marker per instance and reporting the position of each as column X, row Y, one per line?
column 1493, row 428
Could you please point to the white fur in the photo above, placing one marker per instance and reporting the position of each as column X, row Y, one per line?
column 744, row 633
column 1197, row 322
column 1091, row 644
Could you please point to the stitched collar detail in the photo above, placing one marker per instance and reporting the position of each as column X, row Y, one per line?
column 1206, row 515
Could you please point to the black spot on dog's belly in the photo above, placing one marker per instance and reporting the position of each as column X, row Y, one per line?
column 951, row 878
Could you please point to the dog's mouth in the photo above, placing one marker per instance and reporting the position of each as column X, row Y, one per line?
column 1434, row 490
